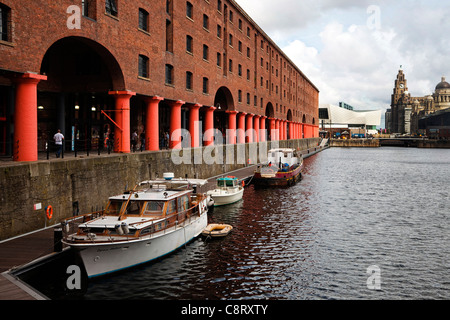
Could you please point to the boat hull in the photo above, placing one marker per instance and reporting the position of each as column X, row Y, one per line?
column 222, row 199
column 280, row 179
column 101, row 259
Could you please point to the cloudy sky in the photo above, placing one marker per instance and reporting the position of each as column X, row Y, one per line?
column 352, row 49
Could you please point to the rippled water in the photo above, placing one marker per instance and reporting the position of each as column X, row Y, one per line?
column 354, row 208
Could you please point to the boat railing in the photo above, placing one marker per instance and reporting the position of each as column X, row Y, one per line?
column 70, row 225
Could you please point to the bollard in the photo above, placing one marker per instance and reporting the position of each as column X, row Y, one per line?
column 57, row 237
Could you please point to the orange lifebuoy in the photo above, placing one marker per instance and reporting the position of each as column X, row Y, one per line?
column 243, row 183
column 49, row 211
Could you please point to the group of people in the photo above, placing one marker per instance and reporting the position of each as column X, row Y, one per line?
column 164, row 141
column 135, row 139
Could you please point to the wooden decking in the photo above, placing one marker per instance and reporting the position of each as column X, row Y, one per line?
column 17, row 252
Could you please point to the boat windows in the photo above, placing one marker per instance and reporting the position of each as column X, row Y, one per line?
column 134, row 207
column 154, row 208
column 114, row 206
column 171, row 207
column 226, row 183
column 183, row 203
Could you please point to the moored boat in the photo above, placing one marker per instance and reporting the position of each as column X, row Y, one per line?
column 228, row 190
column 284, row 168
column 151, row 221
column 217, row 230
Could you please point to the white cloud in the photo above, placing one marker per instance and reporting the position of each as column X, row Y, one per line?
column 330, row 41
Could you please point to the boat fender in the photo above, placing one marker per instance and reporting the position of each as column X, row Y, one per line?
column 65, row 226
column 243, row 183
column 119, row 229
column 49, row 212
column 125, row 228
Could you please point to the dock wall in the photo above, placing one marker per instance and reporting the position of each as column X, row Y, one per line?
column 355, row 143
column 82, row 185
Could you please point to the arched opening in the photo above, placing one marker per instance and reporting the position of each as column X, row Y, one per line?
column 269, row 113
column 289, row 118
column 80, row 74
column 223, row 102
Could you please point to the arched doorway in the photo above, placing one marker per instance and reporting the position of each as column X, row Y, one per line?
column 223, row 102
column 80, row 74
column 289, row 118
column 269, row 113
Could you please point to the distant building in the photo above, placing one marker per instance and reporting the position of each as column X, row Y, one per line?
column 388, row 119
column 337, row 119
column 436, row 125
column 346, row 106
column 406, row 111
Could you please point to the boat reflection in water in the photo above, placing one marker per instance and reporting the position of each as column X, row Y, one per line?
column 283, row 169
column 138, row 226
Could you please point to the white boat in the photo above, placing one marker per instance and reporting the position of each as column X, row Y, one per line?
column 138, row 226
column 228, row 190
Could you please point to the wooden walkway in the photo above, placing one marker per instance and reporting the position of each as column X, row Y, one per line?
column 17, row 252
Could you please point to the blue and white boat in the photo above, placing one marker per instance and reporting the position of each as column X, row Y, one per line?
column 228, row 190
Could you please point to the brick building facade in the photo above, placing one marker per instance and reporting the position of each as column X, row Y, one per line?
column 96, row 67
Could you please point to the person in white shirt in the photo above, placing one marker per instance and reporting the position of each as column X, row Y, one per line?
column 58, row 137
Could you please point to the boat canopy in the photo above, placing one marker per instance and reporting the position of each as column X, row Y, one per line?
column 228, row 181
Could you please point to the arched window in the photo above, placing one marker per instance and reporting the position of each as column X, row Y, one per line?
column 111, row 7
column 189, row 80
column 5, row 23
column 189, row 44
column 89, row 8
column 169, row 74
column 143, row 66
column 143, row 20
column 189, row 10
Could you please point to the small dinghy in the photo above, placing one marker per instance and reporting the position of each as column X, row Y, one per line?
column 217, row 230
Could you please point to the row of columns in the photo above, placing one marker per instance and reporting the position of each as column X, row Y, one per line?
column 25, row 124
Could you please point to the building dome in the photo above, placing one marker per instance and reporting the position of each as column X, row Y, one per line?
column 443, row 84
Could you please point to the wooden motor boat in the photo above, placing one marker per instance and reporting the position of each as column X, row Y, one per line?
column 138, row 226
column 215, row 230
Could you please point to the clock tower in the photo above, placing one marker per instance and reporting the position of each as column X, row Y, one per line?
column 400, row 105
column 399, row 88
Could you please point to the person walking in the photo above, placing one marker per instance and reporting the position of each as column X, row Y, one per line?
column 59, row 138
column 134, row 139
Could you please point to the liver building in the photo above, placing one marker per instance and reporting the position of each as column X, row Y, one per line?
column 405, row 112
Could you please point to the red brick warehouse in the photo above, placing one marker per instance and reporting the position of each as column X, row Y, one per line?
column 94, row 67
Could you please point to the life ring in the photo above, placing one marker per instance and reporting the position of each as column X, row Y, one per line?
column 49, row 212
column 243, row 183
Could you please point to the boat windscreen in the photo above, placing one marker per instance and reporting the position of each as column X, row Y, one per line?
column 154, row 208
column 114, row 206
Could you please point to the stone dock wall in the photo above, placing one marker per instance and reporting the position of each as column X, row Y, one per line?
column 84, row 184
column 355, row 143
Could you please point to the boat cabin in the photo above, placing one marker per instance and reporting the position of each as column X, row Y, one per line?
column 282, row 157
column 227, row 182
column 140, row 213
column 149, row 204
